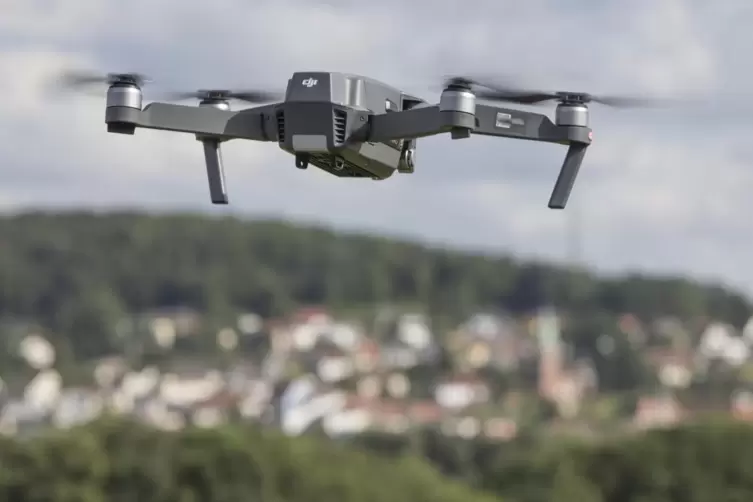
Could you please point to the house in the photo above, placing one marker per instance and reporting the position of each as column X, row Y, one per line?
column 397, row 385
column 633, row 329
column 736, row 352
column 389, row 416
column 280, row 336
column 741, row 405
column 720, row 341
column 215, row 410
column 298, row 391
column 567, row 395
column 168, row 324
column 328, row 361
column 584, row 371
column 227, row 339
column 369, row 386
column 159, row 414
column 335, row 368
column 747, row 332
column 486, row 339
column 477, row 354
column 396, row 355
column 44, row 390
column 565, row 384
column 670, row 331
column 425, row 413
column 37, row 352
column 163, row 331
column 77, row 406
column 186, row 390
column 674, row 367
column 414, row 331
column 241, row 375
column 355, row 417
column 16, row 417
column 307, row 327
column 466, row 427
column 136, row 385
column 109, row 372
column 314, row 316
column 509, row 352
column 250, row 324
column 296, row 420
column 461, row 391
column 500, row 428
column 483, row 325
column 345, row 335
column 366, row 356
column 304, row 336
column 254, row 399
column 657, row 411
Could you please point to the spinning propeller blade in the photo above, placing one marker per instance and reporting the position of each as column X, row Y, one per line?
column 80, row 79
column 491, row 91
column 247, row 95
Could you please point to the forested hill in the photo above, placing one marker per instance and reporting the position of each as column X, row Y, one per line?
column 51, row 264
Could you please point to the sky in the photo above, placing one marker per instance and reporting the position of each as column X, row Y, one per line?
column 659, row 191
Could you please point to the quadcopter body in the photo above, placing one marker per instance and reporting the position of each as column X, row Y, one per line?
column 353, row 126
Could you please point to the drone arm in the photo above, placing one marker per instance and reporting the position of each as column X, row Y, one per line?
column 254, row 123
column 518, row 124
column 211, row 126
column 493, row 121
column 409, row 124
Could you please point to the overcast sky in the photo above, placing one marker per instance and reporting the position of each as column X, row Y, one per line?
column 658, row 191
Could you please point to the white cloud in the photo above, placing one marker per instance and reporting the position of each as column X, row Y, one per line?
column 655, row 191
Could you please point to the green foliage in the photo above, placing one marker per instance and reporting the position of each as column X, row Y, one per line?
column 76, row 272
column 116, row 461
column 706, row 462
column 121, row 461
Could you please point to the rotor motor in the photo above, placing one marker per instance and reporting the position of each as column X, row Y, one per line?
column 124, row 98
column 572, row 111
column 458, row 105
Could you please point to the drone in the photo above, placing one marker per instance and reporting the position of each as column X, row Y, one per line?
column 353, row 126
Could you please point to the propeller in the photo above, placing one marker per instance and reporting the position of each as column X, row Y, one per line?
column 82, row 79
column 490, row 91
column 249, row 96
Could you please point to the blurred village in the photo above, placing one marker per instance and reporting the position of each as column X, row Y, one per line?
column 492, row 376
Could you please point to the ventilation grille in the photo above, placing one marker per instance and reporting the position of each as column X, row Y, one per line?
column 280, row 127
column 340, row 121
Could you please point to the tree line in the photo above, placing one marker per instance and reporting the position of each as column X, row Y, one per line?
column 113, row 460
column 77, row 272
column 116, row 461
column 702, row 462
